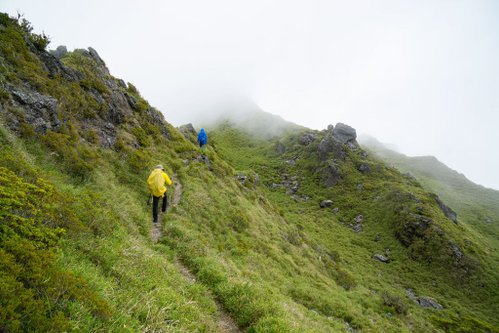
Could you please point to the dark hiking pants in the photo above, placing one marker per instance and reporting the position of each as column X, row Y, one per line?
column 155, row 201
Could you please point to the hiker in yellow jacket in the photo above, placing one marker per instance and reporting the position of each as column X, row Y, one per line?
column 156, row 183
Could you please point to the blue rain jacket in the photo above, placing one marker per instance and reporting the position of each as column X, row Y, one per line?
column 202, row 138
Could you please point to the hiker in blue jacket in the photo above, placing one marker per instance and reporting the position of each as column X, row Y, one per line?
column 202, row 138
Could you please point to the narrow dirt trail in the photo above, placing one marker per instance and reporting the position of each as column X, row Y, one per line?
column 225, row 322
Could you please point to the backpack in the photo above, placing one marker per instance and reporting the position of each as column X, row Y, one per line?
column 156, row 183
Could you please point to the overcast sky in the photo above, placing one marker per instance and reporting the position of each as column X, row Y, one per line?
column 422, row 74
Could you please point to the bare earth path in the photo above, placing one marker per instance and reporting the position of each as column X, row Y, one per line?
column 225, row 322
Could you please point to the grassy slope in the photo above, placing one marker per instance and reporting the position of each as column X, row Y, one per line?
column 351, row 253
column 276, row 265
column 476, row 205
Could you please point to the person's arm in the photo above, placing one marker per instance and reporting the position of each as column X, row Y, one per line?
column 167, row 179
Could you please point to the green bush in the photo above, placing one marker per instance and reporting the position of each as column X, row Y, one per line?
column 34, row 293
column 395, row 303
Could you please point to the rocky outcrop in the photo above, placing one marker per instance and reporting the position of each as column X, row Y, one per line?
column 40, row 111
column 414, row 227
column 448, row 212
column 59, row 52
column 344, row 134
column 423, row 301
column 307, row 139
column 331, row 174
column 188, row 131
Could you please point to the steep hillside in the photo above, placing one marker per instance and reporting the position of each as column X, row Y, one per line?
column 476, row 205
column 374, row 209
column 247, row 239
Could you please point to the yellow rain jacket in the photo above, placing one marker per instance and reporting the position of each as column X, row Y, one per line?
column 156, row 182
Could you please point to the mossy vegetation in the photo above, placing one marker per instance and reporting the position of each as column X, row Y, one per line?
column 75, row 240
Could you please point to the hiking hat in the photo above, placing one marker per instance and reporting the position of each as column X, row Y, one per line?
column 159, row 166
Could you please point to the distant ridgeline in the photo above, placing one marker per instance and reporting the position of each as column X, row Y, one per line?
column 282, row 228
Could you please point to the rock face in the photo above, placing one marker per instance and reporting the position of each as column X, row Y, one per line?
column 112, row 103
column 40, row 111
column 448, row 212
column 344, row 133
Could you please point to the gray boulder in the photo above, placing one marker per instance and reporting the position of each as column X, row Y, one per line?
column 344, row 133
column 381, row 258
column 59, row 52
column 326, row 203
column 423, row 301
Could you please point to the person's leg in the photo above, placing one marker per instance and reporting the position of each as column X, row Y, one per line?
column 155, row 201
column 165, row 202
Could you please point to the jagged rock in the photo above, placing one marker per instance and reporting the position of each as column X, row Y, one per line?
column 40, row 111
column 121, row 83
column 93, row 53
column 326, row 203
column 360, row 187
column 59, row 52
column 364, row 168
column 381, row 258
column 423, row 301
column 357, row 225
column 204, row 159
column 448, row 212
column 307, row 139
column 131, row 101
column 344, row 133
column 330, row 128
column 364, row 154
column 331, row 174
column 107, row 135
column 329, row 146
column 335, row 210
column 188, row 131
